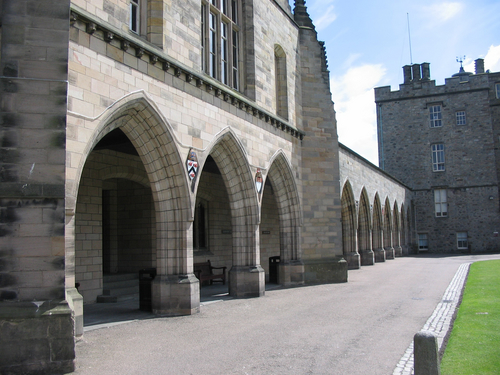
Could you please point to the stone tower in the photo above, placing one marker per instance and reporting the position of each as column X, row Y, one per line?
column 442, row 141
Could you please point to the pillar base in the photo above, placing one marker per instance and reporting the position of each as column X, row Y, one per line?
column 247, row 281
column 379, row 255
column 353, row 260
column 406, row 250
column 325, row 271
column 291, row 273
column 389, row 252
column 174, row 295
column 75, row 302
column 367, row 257
column 36, row 337
column 398, row 251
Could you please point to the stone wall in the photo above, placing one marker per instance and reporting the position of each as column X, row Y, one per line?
column 36, row 325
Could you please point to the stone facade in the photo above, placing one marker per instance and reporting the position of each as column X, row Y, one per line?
column 464, row 215
column 122, row 150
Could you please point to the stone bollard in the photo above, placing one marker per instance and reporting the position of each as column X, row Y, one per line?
column 425, row 353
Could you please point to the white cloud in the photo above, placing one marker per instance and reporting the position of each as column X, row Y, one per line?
column 492, row 59
column 353, row 96
column 326, row 18
column 443, row 12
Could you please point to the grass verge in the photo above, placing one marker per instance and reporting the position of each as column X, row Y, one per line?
column 474, row 344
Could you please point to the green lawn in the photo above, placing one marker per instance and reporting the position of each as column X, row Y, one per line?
column 474, row 345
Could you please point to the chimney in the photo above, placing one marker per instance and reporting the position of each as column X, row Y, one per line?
column 426, row 72
column 415, row 68
column 407, row 74
column 479, row 66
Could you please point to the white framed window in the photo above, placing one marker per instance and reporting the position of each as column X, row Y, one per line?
column 497, row 90
column 461, row 118
column 423, row 243
column 220, row 44
column 437, row 157
column 435, row 116
column 462, row 242
column 135, row 16
column 440, row 203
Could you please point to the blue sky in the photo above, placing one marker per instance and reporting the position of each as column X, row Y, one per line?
column 367, row 45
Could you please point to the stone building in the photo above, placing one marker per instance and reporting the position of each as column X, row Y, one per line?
column 442, row 141
column 140, row 134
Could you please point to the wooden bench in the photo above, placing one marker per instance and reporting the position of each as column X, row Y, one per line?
column 204, row 272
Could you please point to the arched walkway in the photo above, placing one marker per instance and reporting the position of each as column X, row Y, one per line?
column 364, row 231
column 175, row 288
column 291, row 268
column 396, row 232
column 389, row 250
column 378, row 231
column 246, row 277
column 349, row 232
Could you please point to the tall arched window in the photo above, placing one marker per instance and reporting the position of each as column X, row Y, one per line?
column 220, row 40
column 280, row 78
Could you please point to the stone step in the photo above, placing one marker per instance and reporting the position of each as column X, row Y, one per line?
column 119, row 287
column 120, row 277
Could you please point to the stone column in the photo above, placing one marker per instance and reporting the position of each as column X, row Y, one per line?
column 322, row 228
column 36, row 334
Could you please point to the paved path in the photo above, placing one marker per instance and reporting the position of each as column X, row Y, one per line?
column 364, row 326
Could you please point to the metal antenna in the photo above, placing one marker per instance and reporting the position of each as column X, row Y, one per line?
column 409, row 36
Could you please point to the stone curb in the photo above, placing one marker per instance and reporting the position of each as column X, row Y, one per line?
column 441, row 320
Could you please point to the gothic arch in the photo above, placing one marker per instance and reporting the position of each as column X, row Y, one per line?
column 246, row 275
column 149, row 132
column 124, row 172
column 404, row 230
column 396, row 231
column 280, row 174
column 364, row 230
column 349, row 227
column 388, row 227
column 378, row 231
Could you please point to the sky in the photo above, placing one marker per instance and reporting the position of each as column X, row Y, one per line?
column 368, row 43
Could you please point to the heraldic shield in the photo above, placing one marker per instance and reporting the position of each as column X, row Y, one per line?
column 192, row 166
column 258, row 180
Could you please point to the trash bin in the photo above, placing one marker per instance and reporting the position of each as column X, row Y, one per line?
column 273, row 269
column 146, row 277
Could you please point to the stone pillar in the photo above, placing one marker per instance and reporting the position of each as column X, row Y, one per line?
column 291, row 273
column 379, row 255
column 36, row 334
column 367, row 257
column 174, row 295
column 319, row 152
column 247, row 281
column 426, row 355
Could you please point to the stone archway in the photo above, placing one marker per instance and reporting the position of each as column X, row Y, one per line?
column 387, row 215
column 378, row 231
column 175, row 288
column 364, row 231
column 246, row 276
column 291, row 268
column 396, row 231
column 349, row 227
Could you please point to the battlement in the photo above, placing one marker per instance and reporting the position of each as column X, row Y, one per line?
column 417, row 83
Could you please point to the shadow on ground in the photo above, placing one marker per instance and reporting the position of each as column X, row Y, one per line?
column 98, row 315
